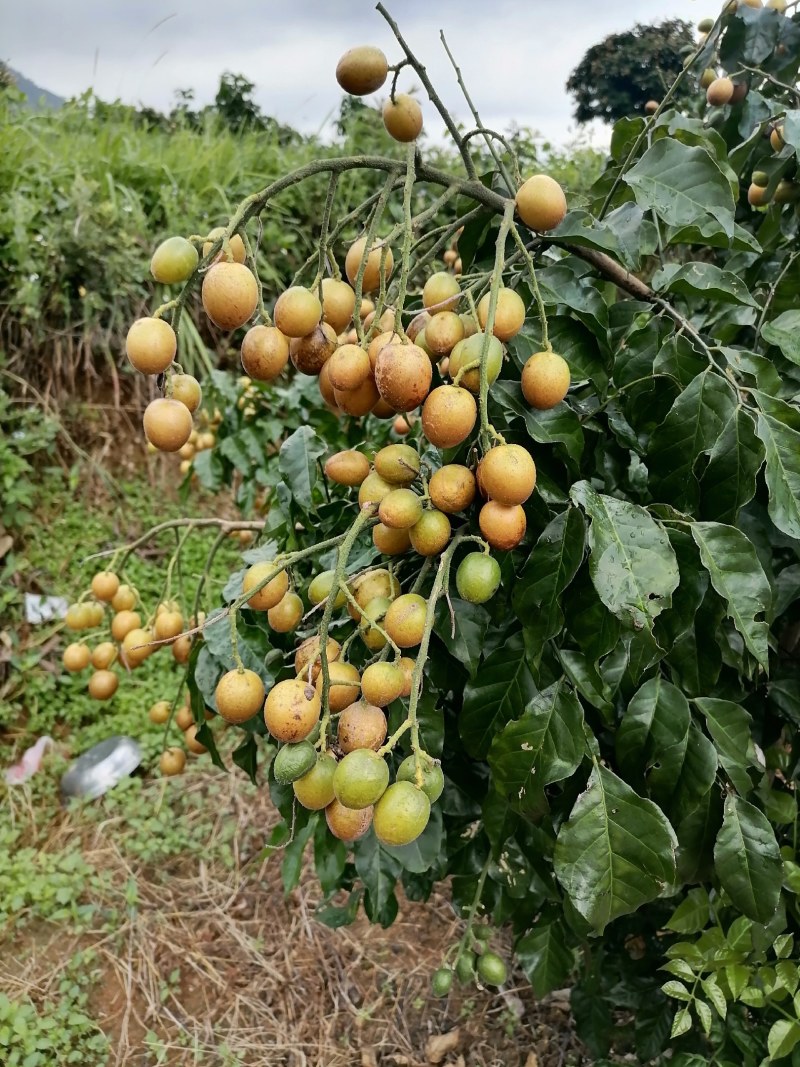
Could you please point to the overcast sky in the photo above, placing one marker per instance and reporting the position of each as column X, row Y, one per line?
column 515, row 54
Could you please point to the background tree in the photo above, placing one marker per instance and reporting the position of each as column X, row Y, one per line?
column 620, row 74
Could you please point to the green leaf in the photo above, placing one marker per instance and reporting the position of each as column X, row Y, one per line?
column 631, row 562
column 748, row 861
column 546, row 745
column 615, row 853
column 330, row 858
column 715, row 995
column 545, row 958
column 782, row 1038
column 377, row 870
column 737, row 575
column 729, row 480
column 244, row 756
column 778, row 426
column 625, row 233
column 676, row 990
column 784, row 331
column 703, row 280
column 471, row 624
column 682, row 1023
column 422, row 854
column 693, row 425
column 586, row 678
column 683, row 185
column 704, row 1015
column 692, row 914
column 729, row 726
column 335, row 916
column 297, row 463
column 550, row 568
column 558, row 425
column 653, row 736
column 292, row 862
column 500, row 692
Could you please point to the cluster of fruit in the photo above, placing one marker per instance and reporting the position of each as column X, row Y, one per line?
column 474, row 959
column 173, row 759
column 131, row 642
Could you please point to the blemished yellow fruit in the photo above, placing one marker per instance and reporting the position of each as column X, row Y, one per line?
column 541, row 203
column 405, row 618
column 345, row 685
column 168, row 624
column 403, row 376
column 184, row 717
column 359, row 401
column 103, row 655
column 345, row 823
column 235, row 246
column 167, row 424
column 136, row 646
column 297, row 311
column 381, row 683
column 315, row 789
column 390, row 542
column 347, row 468
column 103, row 685
column 291, row 710
column 309, row 354
column 151, row 345
column 776, row 138
column 338, row 302
column 402, row 118
column 186, row 388
column 349, row 367
column 452, row 488
column 361, row 725
column 448, row 415
column 362, row 70
column 545, row 380
column 124, row 599
column 270, row 594
column 265, row 353
column 507, row 474
column 76, row 657
column 309, row 650
column 239, row 695
column 286, row 614
column 441, row 292
column 443, row 332
column 172, row 761
column 159, row 712
column 105, row 585
column 430, row 534
column 502, row 526
column 757, row 196
column 190, row 737
column 229, row 294
column 372, row 270
column 719, row 92
column 373, row 489
column 509, row 317
column 123, row 622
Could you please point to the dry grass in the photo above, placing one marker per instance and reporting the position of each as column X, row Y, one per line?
column 213, row 957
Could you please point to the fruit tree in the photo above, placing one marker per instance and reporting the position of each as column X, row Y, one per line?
column 520, row 596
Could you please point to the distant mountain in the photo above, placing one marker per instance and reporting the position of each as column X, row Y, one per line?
column 37, row 97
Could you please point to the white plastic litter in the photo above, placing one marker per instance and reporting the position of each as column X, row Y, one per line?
column 40, row 608
column 30, row 763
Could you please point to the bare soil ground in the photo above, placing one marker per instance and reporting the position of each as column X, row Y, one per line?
column 209, row 963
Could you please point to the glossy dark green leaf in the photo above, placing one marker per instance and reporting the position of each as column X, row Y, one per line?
column 544, row 746
column 245, row 756
column 558, row 425
column 335, row 915
column 784, row 331
column 704, row 281
column 330, row 857
column 683, row 185
column 748, row 861
column 500, row 692
column 729, row 480
column 292, row 862
column 729, row 726
column 550, row 568
column 423, row 854
column 297, row 462
column 631, row 562
column 737, row 575
column 653, row 736
column 378, row 871
column 586, row 678
column 778, row 426
column 471, row 624
column 615, row 853
column 545, row 957
column 693, row 426
column 679, row 358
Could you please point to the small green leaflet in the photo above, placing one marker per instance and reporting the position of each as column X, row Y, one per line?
column 778, row 427
column 748, row 860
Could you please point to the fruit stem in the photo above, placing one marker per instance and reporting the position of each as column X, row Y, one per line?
column 374, row 624
column 363, row 517
column 159, row 311
column 487, row 431
column 487, row 135
column 473, row 908
column 534, row 286
column 324, row 229
column 237, row 659
column 369, row 237
column 472, row 365
column 433, row 96
column 440, row 582
column 251, row 261
column 408, row 233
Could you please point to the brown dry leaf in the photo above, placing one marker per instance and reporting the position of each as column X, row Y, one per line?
column 439, row 1047
column 532, row 1060
column 368, row 1058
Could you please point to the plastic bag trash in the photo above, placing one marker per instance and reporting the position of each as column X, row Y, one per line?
column 30, row 763
column 40, row 608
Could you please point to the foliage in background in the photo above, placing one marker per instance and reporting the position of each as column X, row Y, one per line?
column 617, row 76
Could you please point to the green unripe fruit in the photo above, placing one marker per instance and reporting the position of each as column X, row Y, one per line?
column 360, row 779
column 315, row 789
column 374, row 612
column 400, row 509
column 465, row 967
column 442, row 982
column 320, row 587
column 173, row 261
column 293, row 761
column 432, row 776
column 401, row 814
column 760, row 178
column 491, row 969
column 478, row 577
column 705, row 25
column 397, row 464
column 482, row 932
